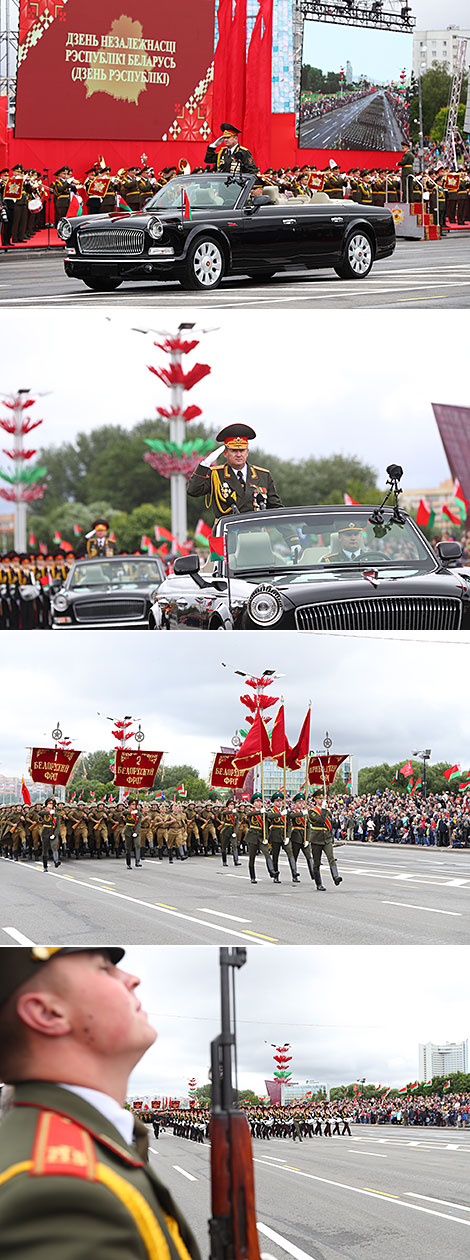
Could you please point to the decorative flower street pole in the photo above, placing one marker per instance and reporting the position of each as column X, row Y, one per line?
column 176, row 459
column 26, row 484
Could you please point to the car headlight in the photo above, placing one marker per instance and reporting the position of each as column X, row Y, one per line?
column 155, row 229
column 64, row 229
column 60, row 603
column 265, row 606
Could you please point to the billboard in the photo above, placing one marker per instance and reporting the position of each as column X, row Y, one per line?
column 454, row 427
column 115, row 71
column 353, row 87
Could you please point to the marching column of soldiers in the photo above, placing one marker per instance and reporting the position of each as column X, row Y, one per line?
column 296, row 1121
column 56, row 831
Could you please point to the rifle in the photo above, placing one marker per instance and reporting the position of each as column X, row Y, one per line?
column 232, row 1227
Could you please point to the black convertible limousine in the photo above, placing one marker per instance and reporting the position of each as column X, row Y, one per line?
column 318, row 568
column 199, row 228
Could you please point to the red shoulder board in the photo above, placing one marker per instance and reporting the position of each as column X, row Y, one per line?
column 62, row 1148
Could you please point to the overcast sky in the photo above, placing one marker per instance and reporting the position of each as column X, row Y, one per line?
column 430, row 14
column 378, row 697
column 334, row 382
column 346, row 1013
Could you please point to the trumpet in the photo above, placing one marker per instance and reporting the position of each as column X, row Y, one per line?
column 184, row 167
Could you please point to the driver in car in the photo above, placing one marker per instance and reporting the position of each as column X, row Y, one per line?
column 351, row 546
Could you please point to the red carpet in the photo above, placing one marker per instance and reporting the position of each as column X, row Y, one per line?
column 48, row 236
column 455, row 226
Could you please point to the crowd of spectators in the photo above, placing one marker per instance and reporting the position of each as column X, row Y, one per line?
column 439, row 821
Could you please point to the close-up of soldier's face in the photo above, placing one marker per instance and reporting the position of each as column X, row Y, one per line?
column 236, row 457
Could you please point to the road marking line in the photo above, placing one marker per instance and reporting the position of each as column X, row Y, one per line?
column 18, row 936
column 430, row 909
column 151, row 905
column 236, row 918
column 99, row 879
column 291, row 1248
column 374, row 1154
column 163, row 906
column 274, row 939
column 154, row 1152
column 392, row 1199
column 445, row 1202
column 184, row 1173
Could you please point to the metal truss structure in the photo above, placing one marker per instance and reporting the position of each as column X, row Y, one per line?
column 452, row 132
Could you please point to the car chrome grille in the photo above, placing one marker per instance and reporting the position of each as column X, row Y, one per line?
column 111, row 610
column 400, row 613
column 127, row 241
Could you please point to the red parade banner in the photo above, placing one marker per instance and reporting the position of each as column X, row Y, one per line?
column 225, row 774
column 111, row 71
column 330, row 764
column 136, row 769
column 53, row 765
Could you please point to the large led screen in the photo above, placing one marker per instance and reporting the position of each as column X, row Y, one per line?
column 115, row 70
column 354, row 87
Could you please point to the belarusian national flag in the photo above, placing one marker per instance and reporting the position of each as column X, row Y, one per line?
column 202, row 533
column 428, row 1082
column 185, row 205
column 414, row 1087
column 452, row 773
column 409, row 786
column 57, row 537
column 452, row 516
column 181, row 790
column 462, row 504
column 42, row 549
column 145, row 542
column 75, row 207
column 425, row 514
column 217, row 548
column 31, row 540
column 447, row 1085
column 77, row 529
column 162, row 533
column 404, row 1090
column 121, row 204
column 349, row 501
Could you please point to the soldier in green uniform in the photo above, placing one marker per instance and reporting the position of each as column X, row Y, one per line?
column 256, row 840
column 406, row 163
column 50, row 832
column 298, row 828
column 131, row 819
column 74, row 1176
column 278, row 836
column 231, row 158
column 321, row 838
column 233, row 482
column 228, row 833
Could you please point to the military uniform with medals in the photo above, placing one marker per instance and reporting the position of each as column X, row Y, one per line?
column 321, row 838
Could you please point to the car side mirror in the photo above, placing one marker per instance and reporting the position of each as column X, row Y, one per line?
column 449, row 552
column 56, row 585
column 187, row 564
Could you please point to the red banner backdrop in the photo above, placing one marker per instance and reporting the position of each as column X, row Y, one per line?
column 330, row 765
column 454, row 427
column 225, row 774
column 53, row 765
column 136, row 769
column 138, row 71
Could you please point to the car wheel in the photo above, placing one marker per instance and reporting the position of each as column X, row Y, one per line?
column 358, row 258
column 101, row 284
column 205, row 264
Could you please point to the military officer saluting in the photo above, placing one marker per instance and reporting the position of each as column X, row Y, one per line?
column 74, row 1176
column 97, row 543
column 233, row 482
column 232, row 159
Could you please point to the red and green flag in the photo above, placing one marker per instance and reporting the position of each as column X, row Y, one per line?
column 446, row 1085
column 451, row 515
column 425, row 514
column 461, row 503
column 453, row 772
column 202, row 533
column 418, row 783
column 412, row 1088
column 121, row 204
column 349, row 501
column 217, row 548
column 185, row 206
column 31, row 540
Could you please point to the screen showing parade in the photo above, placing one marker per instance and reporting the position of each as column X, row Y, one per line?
column 354, row 88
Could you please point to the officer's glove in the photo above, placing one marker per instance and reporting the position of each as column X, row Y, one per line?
column 296, row 552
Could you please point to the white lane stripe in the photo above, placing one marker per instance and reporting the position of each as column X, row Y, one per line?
column 18, row 936
column 373, row 1154
column 284, row 1243
column 101, row 880
column 154, row 1152
column 394, row 1200
column 184, row 1173
column 150, row 905
column 445, row 1202
column 236, row 918
column 430, row 909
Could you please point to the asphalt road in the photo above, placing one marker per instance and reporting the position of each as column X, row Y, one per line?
column 322, row 133
column 389, row 896
column 419, row 274
column 385, row 1192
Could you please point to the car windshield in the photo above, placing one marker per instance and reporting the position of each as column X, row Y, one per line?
column 205, row 192
column 117, row 572
column 323, row 541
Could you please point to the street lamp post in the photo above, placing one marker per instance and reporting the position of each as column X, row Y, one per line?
column 424, row 756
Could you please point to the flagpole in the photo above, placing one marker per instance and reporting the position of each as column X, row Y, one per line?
column 262, row 800
column 307, row 759
column 285, row 798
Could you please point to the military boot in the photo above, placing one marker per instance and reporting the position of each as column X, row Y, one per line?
column 335, row 875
